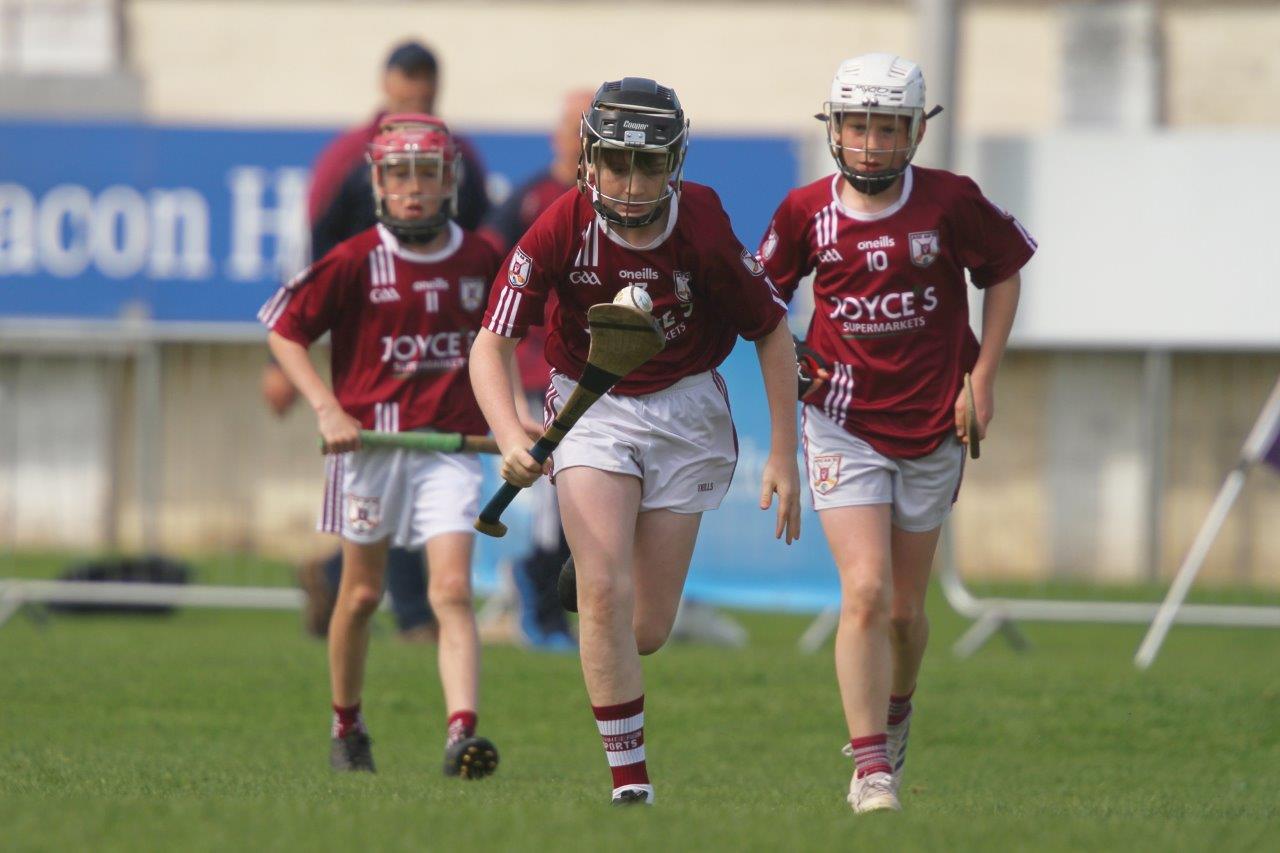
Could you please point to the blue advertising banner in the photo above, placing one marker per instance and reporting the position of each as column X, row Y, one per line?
column 201, row 224
column 100, row 221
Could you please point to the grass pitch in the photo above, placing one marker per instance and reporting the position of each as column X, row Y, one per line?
column 208, row 730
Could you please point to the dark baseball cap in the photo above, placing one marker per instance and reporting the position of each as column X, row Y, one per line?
column 412, row 57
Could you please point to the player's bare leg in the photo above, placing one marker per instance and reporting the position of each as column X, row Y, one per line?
column 859, row 538
column 599, row 510
column 449, row 589
column 908, row 631
column 663, row 549
column 359, row 594
column 909, row 627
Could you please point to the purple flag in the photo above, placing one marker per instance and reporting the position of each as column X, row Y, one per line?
column 1263, row 442
column 1272, row 454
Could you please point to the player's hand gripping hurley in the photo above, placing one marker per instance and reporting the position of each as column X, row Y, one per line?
column 622, row 339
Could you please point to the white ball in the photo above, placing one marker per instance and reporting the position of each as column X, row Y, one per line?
column 636, row 297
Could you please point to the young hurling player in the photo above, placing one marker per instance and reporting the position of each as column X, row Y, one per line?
column 636, row 473
column 890, row 244
column 403, row 302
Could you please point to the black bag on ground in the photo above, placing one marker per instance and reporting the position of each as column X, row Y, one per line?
column 151, row 569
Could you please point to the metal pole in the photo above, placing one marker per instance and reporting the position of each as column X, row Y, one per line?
column 937, row 24
column 147, row 441
column 1158, row 384
column 1190, row 567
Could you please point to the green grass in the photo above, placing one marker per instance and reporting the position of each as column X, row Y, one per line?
column 208, row 730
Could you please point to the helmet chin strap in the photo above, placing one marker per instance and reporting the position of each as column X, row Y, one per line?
column 872, row 184
column 421, row 231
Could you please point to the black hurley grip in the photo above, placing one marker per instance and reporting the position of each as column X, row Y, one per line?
column 597, row 380
column 507, row 492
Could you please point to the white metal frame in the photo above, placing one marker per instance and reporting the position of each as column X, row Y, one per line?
column 1261, row 438
column 14, row 594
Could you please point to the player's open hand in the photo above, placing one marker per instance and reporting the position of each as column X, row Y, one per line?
column 782, row 477
column 984, row 399
column 340, row 431
column 520, row 469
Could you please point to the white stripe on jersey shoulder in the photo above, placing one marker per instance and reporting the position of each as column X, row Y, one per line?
column 824, row 225
column 393, row 245
column 274, row 307
column 908, row 180
column 601, row 225
column 504, row 316
column 382, row 270
column 1026, row 235
column 271, row 310
column 589, row 252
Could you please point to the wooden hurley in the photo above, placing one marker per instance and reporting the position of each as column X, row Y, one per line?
column 440, row 442
column 622, row 339
column 971, row 418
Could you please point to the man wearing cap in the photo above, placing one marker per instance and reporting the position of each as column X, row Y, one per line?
column 340, row 204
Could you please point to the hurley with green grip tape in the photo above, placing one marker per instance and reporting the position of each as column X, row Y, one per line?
column 440, row 442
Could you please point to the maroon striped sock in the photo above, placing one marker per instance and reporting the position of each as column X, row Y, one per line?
column 622, row 729
column 870, row 754
column 900, row 707
column 462, row 724
column 347, row 720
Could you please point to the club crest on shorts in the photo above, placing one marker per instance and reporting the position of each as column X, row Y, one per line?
column 363, row 514
column 825, row 473
column 521, row 265
column 683, row 293
column 770, row 244
column 471, row 293
column 752, row 263
column 924, row 247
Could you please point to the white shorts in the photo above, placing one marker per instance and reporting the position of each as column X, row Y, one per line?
column 844, row 470
column 679, row 441
column 409, row 495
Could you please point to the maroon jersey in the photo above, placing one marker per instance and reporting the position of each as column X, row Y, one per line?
column 890, row 306
column 706, row 289
column 402, row 324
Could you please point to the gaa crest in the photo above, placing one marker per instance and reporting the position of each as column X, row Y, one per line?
column 363, row 514
column 752, row 263
column 924, row 247
column 472, row 293
column 683, row 293
column 521, row 265
column 825, row 473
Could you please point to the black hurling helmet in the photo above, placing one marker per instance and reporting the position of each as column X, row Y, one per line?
column 640, row 116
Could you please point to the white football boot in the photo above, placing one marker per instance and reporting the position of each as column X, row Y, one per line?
column 633, row 795
column 873, row 793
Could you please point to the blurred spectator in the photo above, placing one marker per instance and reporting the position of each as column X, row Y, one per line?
column 540, row 620
column 341, row 201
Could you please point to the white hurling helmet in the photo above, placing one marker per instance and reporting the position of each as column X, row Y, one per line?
column 874, row 84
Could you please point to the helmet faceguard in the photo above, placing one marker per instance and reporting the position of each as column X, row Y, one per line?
column 871, row 86
column 634, row 126
column 414, row 160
